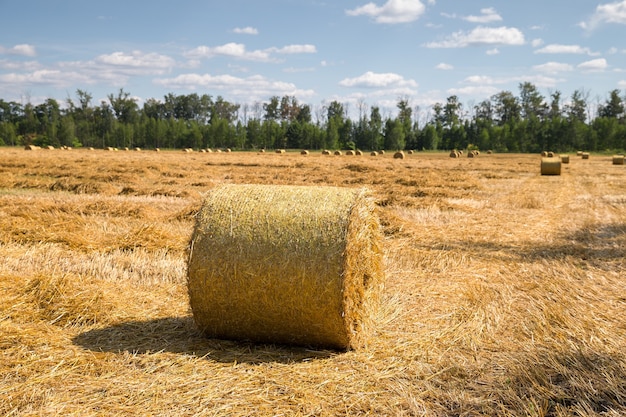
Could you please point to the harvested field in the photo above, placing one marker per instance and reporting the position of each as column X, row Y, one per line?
column 504, row 292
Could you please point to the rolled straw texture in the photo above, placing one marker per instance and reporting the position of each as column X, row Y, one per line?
column 551, row 166
column 618, row 159
column 286, row 264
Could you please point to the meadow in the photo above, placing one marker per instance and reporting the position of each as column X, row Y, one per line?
column 505, row 290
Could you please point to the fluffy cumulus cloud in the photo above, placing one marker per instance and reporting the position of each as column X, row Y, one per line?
column 22, row 49
column 49, row 77
column 393, row 11
column 136, row 59
column 564, row 49
column 248, row 30
column 481, row 36
column 239, row 51
column 595, row 65
column 487, row 15
column 254, row 87
column 444, row 66
column 607, row 13
column 378, row 80
column 553, row 67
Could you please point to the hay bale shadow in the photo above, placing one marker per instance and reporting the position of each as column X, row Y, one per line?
column 180, row 335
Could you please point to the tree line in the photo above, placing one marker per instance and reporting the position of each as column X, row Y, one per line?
column 505, row 122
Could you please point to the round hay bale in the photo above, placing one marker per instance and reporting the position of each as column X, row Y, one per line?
column 398, row 155
column 157, row 150
column 579, row 153
column 137, row 149
column 564, row 159
column 281, row 151
column 31, row 147
column 382, row 152
column 286, row 264
column 489, row 152
column 410, row 152
column 585, row 155
column 454, row 154
column 544, row 154
column 304, row 152
column 472, row 154
column 358, row 152
column 550, row 166
column 350, row 152
column 228, row 150
column 550, row 154
column 618, row 159
column 338, row 153
column 326, row 152
column 262, row 150
column 374, row 153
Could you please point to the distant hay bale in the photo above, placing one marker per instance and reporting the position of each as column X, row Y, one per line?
column 109, row 148
column 489, row 152
column 374, row 153
column 157, row 150
column 381, row 152
column 126, row 148
column 338, row 153
column 262, row 150
column 137, row 149
column 410, row 152
column 31, row 148
column 579, row 153
column 454, row 154
column 304, row 152
column 187, row 150
column 472, row 154
column 618, row 159
column 326, row 152
column 358, row 152
column 550, row 166
column 50, row 147
column 564, row 159
column 228, row 150
column 350, row 152
column 550, row 154
column 280, row 151
column 585, row 155
column 398, row 155
column 286, row 264
column 544, row 154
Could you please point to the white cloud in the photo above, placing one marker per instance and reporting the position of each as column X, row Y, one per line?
column 22, row 49
column 494, row 51
column 54, row 78
column 238, row 51
column 295, row 49
column 377, row 80
column 553, row 67
column 255, row 87
column 621, row 84
column 538, row 80
column 444, row 66
column 393, row 11
column 607, row 13
column 248, row 30
column 136, row 59
column 481, row 36
column 472, row 90
column 564, row 49
column 487, row 15
column 536, row 43
column 19, row 65
column 595, row 65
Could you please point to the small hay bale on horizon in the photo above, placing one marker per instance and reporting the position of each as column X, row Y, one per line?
column 338, row 152
column 618, row 159
column 550, row 166
column 398, row 155
column 373, row 153
column 31, row 148
column 304, row 152
column 454, row 154
column 295, row 265
column 358, row 152
column 585, row 155
column 564, row 159
column 326, row 152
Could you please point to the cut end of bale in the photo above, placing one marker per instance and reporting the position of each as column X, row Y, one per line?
column 286, row 265
column 551, row 166
column 618, row 159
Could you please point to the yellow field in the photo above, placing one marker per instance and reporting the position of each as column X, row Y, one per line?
column 505, row 290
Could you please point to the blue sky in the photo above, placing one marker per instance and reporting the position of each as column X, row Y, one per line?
column 357, row 52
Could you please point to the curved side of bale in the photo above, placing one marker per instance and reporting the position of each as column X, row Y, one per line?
column 398, row 155
column 304, row 152
column 618, row 159
column 286, row 264
column 551, row 166
column 339, row 153
column 374, row 153
column 454, row 154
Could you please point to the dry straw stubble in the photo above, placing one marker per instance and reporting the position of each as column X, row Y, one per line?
column 286, row 264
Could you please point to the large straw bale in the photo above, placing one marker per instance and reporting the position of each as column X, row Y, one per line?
column 618, row 159
column 551, row 166
column 286, row 264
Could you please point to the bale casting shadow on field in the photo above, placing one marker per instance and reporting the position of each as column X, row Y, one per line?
column 180, row 335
